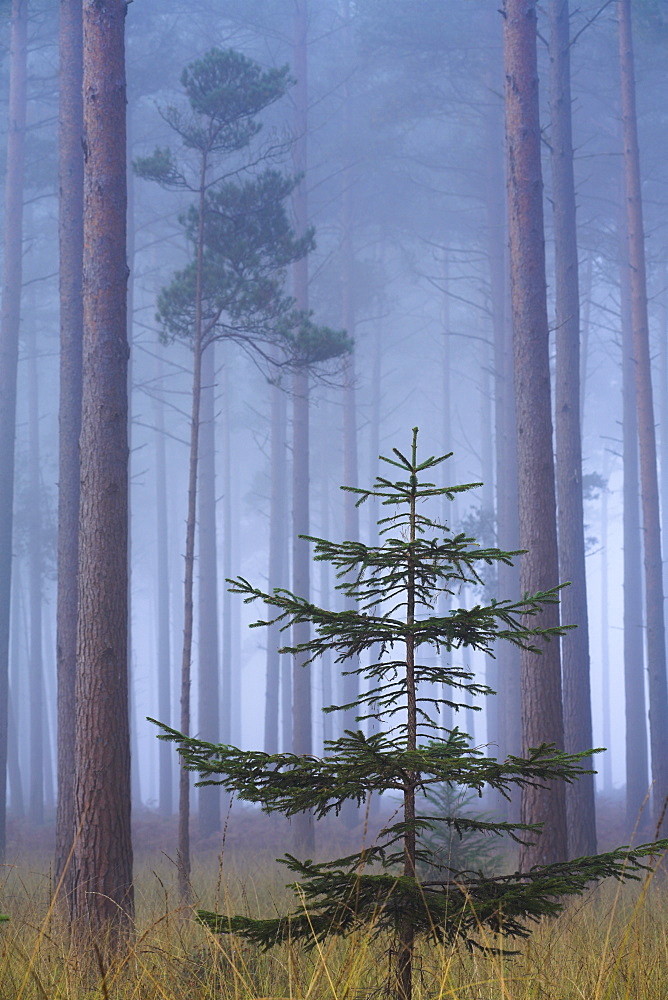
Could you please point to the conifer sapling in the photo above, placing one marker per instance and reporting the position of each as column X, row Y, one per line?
column 395, row 587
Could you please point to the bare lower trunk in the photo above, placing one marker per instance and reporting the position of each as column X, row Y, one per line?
column 209, row 665
column 655, row 629
column 575, row 645
column 70, row 234
column 102, row 897
column 637, row 779
column 163, row 643
column 10, row 319
column 301, row 679
column 542, row 719
column 277, row 531
column 37, row 712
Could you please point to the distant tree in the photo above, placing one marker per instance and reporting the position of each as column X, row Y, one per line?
column 542, row 719
column 242, row 241
column 10, row 320
column 570, row 505
column 102, row 896
column 635, row 710
column 395, row 587
column 649, row 486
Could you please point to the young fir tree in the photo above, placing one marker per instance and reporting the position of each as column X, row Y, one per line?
column 396, row 587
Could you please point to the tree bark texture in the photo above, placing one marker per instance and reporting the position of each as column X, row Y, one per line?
column 209, row 659
column 637, row 778
column 570, row 513
column 649, row 486
column 10, row 319
column 70, row 236
column 102, row 897
column 302, row 739
column 542, row 719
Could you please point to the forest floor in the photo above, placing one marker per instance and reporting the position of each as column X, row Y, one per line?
column 610, row 945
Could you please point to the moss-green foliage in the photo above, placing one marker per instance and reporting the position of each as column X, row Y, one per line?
column 247, row 238
column 395, row 587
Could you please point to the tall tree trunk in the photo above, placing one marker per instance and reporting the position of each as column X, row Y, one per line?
column 575, row 645
column 36, row 670
column 10, row 319
column 542, row 719
column 302, row 738
column 70, row 236
column 231, row 680
column 649, row 486
column 277, row 531
column 163, row 639
column 507, row 525
column 102, row 897
column 16, row 674
column 183, row 849
column 637, row 781
column 606, row 701
column 209, row 665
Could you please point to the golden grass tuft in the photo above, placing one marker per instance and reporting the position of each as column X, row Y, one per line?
column 611, row 945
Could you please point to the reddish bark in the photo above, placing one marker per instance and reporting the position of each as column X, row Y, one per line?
column 540, row 676
column 102, row 895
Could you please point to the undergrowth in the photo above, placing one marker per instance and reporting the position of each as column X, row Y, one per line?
column 611, row 945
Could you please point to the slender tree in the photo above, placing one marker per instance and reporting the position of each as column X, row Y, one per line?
column 542, row 719
column 70, row 237
column 10, row 318
column 163, row 640
column 209, row 659
column 38, row 742
column 302, row 724
column 635, row 709
column 570, row 512
column 102, row 897
column 649, row 486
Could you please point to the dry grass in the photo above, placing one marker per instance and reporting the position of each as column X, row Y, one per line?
column 609, row 946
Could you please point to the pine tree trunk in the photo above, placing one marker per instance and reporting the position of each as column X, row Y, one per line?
column 36, row 671
column 575, row 645
column 637, row 780
column 606, row 706
column 277, row 531
column 655, row 630
column 70, row 235
column 507, row 525
column 231, row 680
column 542, row 719
column 102, row 897
column 302, row 740
column 163, row 641
column 10, row 319
column 209, row 665
column 16, row 675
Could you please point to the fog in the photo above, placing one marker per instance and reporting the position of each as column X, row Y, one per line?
column 406, row 196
